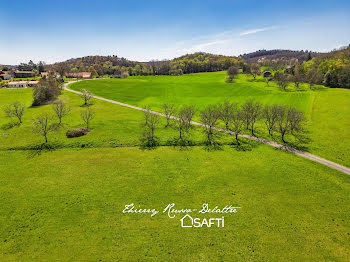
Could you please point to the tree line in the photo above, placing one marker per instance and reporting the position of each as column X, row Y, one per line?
column 113, row 65
column 279, row 119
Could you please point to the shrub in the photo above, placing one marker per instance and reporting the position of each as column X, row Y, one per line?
column 77, row 132
column 47, row 91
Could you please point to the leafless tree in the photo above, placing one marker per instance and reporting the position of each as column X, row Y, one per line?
column 296, row 121
column 270, row 114
column 61, row 69
column 189, row 112
column 298, row 77
column 237, row 122
column 169, row 110
column 251, row 113
column 226, row 110
column 313, row 77
column 43, row 125
column 87, row 116
column 152, row 122
column 15, row 110
column 61, row 110
column 290, row 120
column 282, row 80
column 86, row 96
column 181, row 124
column 209, row 118
column 282, row 121
column 253, row 69
column 232, row 71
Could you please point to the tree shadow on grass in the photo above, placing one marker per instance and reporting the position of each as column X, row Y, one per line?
column 38, row 149
column 87, row 105
column 213, row 146
column 10, row 125
column 245, row 145
column 301, row 143
column 182, row 144
column 148, row 143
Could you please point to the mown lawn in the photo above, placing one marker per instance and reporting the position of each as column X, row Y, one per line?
column 327, row 110
column 65, row 204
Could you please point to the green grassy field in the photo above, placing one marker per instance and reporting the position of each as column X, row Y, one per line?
column 65, row 204
column 327, row 110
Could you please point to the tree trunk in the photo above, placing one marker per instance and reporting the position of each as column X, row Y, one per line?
column 283, row 137
column 237, row 139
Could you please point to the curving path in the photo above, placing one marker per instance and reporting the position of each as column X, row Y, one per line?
column 312, row 157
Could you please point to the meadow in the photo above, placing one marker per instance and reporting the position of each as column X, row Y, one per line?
column 326, row 109
column 65, row 202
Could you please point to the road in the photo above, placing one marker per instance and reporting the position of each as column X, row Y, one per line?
column 309, row 156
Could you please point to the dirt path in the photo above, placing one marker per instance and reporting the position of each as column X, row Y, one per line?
column 323, row 161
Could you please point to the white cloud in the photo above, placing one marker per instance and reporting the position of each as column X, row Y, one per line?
column 257, row 30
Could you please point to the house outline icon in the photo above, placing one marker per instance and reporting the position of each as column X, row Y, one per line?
column 182, row 221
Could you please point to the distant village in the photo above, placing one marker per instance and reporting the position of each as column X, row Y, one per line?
column 12, row 78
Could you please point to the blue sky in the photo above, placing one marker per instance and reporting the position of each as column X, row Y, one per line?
column 143, row 30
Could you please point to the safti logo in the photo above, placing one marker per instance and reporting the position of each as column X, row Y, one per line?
column 188, row 221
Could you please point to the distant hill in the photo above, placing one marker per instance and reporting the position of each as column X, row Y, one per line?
column 278, row 54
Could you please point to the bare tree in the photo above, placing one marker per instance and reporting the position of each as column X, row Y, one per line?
column 232, row 71
column 253, row 69
column 15, row 110
column 290, row 120
column 270, row 114
column 189, row 112
column 43, row 125
column 251, row 113
column 296, row 121
column 298, row 77
column 282, row 121
column 313, row 77
column 152, row 122
column 237, row 122
column 86, row 96
column 209, row 118
column 181, row 124
column 87, row 116
column 282, row 80
column 169, row 110
column 61, row 110
column 226, row 110
column 61, row 69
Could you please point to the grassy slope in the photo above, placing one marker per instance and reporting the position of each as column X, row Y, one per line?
column 66, row 204
column 326, row 109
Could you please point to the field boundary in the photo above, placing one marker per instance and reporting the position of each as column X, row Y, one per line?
column 309, row 156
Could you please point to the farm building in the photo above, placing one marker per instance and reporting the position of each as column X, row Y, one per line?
column 22, row 84
column 32, row 83
column 79, row 75
column 17, row 84
column 267, row 74
column 5, row 76
column 23, row 74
